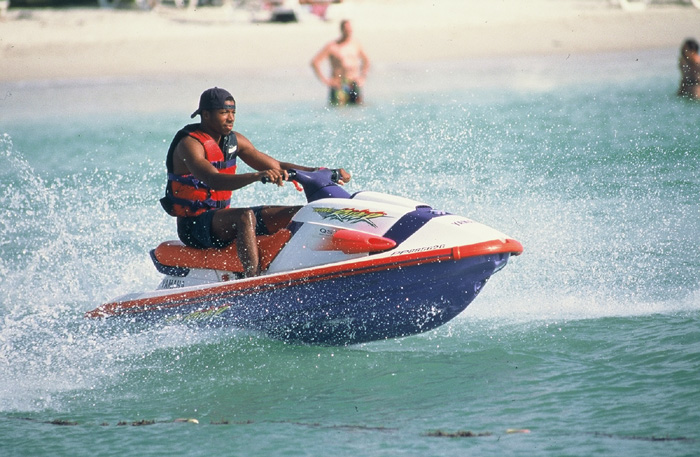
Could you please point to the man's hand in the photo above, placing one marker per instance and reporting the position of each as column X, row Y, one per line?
column 276, row 176
column 344, row 176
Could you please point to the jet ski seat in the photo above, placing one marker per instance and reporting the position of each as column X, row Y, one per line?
column 174, row 255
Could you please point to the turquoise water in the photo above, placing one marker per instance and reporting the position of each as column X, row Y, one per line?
column 590, row 340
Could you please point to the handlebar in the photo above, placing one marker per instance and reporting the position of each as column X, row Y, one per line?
column 318, row 184
column 292, row 174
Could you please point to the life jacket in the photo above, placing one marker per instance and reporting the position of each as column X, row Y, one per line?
column 185, row 195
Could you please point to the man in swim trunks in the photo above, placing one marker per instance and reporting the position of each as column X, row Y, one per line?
column 689, row 64
column 201, row 165
column 348, row 64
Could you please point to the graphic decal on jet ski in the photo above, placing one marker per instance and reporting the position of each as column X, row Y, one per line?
column 201, row 315
column 350, row 215
column 420, row 249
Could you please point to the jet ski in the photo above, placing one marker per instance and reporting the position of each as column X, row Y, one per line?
column 349, row 268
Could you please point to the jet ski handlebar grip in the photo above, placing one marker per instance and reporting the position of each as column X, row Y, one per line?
column 290, row 173
column 335, row 176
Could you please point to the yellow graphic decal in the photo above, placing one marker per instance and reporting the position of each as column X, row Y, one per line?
column 350, row 215
column 200, row 315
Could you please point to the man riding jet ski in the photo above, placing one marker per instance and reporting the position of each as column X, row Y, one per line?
column 342, row 269
column 201, row 165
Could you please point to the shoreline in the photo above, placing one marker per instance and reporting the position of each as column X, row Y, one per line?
column 82, row 60
column 84, row 42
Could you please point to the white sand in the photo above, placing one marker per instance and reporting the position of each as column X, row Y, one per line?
column 70, row 43
column 221, row 46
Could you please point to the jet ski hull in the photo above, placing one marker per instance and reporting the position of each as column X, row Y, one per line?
column 347, row 269
column 348, row 303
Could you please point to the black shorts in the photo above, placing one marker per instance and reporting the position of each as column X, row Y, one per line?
column 196, row 231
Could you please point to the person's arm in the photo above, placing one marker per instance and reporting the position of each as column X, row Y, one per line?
column 264, row 163
column 316, row 62
column 273, row 169
column 189, row 157
column 364, row 65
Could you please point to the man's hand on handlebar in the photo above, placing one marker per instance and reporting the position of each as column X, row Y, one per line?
column 278, row 177
column 274, row 176
column 343, row 176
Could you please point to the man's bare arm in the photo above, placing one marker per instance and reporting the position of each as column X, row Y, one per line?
column 316, row 62
column 189, row 157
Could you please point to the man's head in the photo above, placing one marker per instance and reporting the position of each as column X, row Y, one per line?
column 345, row 28
column 215, row 99
column 691, row 45
column 218, row 110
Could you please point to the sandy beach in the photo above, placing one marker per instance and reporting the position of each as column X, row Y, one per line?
column 76, row 43
column 84, row 44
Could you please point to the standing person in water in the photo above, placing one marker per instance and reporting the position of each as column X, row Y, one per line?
column 689, row 64
column 348, row 67
column 201, row 165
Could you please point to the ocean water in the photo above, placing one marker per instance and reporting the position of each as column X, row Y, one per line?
column 587, row 344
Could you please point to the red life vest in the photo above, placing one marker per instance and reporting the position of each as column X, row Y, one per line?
column 185, row 195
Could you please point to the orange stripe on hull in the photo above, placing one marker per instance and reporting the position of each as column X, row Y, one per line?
column 295, row 278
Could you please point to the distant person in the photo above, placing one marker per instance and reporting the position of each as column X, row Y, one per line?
column 201, row 165
column 689, row 64
column 348, row 67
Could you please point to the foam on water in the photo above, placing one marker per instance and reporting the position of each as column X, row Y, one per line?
column 598, row 183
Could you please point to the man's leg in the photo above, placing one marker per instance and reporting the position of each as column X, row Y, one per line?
column 277, row 217
column 239, row 224
column 355, row 94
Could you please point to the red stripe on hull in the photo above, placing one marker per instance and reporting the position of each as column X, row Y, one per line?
column 295, row 278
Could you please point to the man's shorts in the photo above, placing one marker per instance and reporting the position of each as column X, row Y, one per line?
column 348, row 94
column 196, row 231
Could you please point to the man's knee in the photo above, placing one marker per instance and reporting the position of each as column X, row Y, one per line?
column 245, row 219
